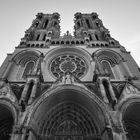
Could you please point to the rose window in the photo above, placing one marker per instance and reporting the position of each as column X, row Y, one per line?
column 68, row 63
column 68, row 66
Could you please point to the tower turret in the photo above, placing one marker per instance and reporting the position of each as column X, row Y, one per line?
column 43, row 29
column 91, row 28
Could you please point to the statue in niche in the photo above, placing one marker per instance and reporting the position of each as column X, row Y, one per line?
column 67, row 78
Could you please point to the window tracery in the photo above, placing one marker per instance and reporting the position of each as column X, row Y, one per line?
column 28, row 67
column 68, row 119
column 107, row 67
column 68, row 64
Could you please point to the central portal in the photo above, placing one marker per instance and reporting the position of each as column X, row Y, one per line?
column 68, row 121
column 69, row 114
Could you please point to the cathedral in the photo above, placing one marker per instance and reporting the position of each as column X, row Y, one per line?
column 84, row 86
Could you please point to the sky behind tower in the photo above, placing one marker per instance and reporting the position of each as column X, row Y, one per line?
column 121, row 17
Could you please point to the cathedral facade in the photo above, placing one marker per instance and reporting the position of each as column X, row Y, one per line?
column 84, row 86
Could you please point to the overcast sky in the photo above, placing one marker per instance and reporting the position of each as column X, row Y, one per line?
column 121, row 17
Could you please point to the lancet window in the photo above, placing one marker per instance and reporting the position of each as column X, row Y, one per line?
column 107, row 67
column 46, row 23
column 38, row 36
column 88, row 24
column 28, row 67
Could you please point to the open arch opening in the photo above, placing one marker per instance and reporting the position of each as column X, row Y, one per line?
column 29, row 66
column 69, row 114
column 6, row 122
column 107, row 67
column 131, row 121
column 69, row 119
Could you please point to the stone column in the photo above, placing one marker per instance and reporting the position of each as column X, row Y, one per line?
column 119, row 135
column 92, row 65
column 16, row 136
column 112, row 94
column 109, row 132
column 118, row 130
column 17, row 132
column 30, row 136
column 33, row 93
column 23, row 135
column 103, row 93
column 26, row 131
column 93, row 37
column 25, row 90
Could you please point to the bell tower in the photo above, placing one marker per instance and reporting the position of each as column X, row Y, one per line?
column 43, row 28
column 84, row 86
column 91, row 28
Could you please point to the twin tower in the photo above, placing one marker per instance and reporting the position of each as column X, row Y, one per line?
column 84, row 86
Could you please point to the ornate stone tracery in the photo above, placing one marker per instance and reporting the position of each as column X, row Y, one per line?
column 68, row 64
column 68, row 120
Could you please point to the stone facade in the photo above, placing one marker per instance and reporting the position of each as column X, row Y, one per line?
column 80, row 87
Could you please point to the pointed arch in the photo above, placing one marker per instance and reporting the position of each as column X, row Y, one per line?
column 130, row 117
column 28, row 67
column 107, row 67
column 70, row 104
column 44, row 37
column 37, row 37
column 90, row 37
column 8, row 118
column 45, row 23
column 88, row 23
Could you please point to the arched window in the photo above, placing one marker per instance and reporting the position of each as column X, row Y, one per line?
column 96, row 36
column 55, row 24
column 131, row 121
column 28, row 67
column 44, row 37
column 107, row 67
column 46, row 23
column 78, row 25
column 90, row 37
column 88, row 24
column 38, row 36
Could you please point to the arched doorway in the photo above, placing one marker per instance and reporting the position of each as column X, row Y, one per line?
column 68, row 121
column 131, row 121
column 69, row 114
column 6, row 122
